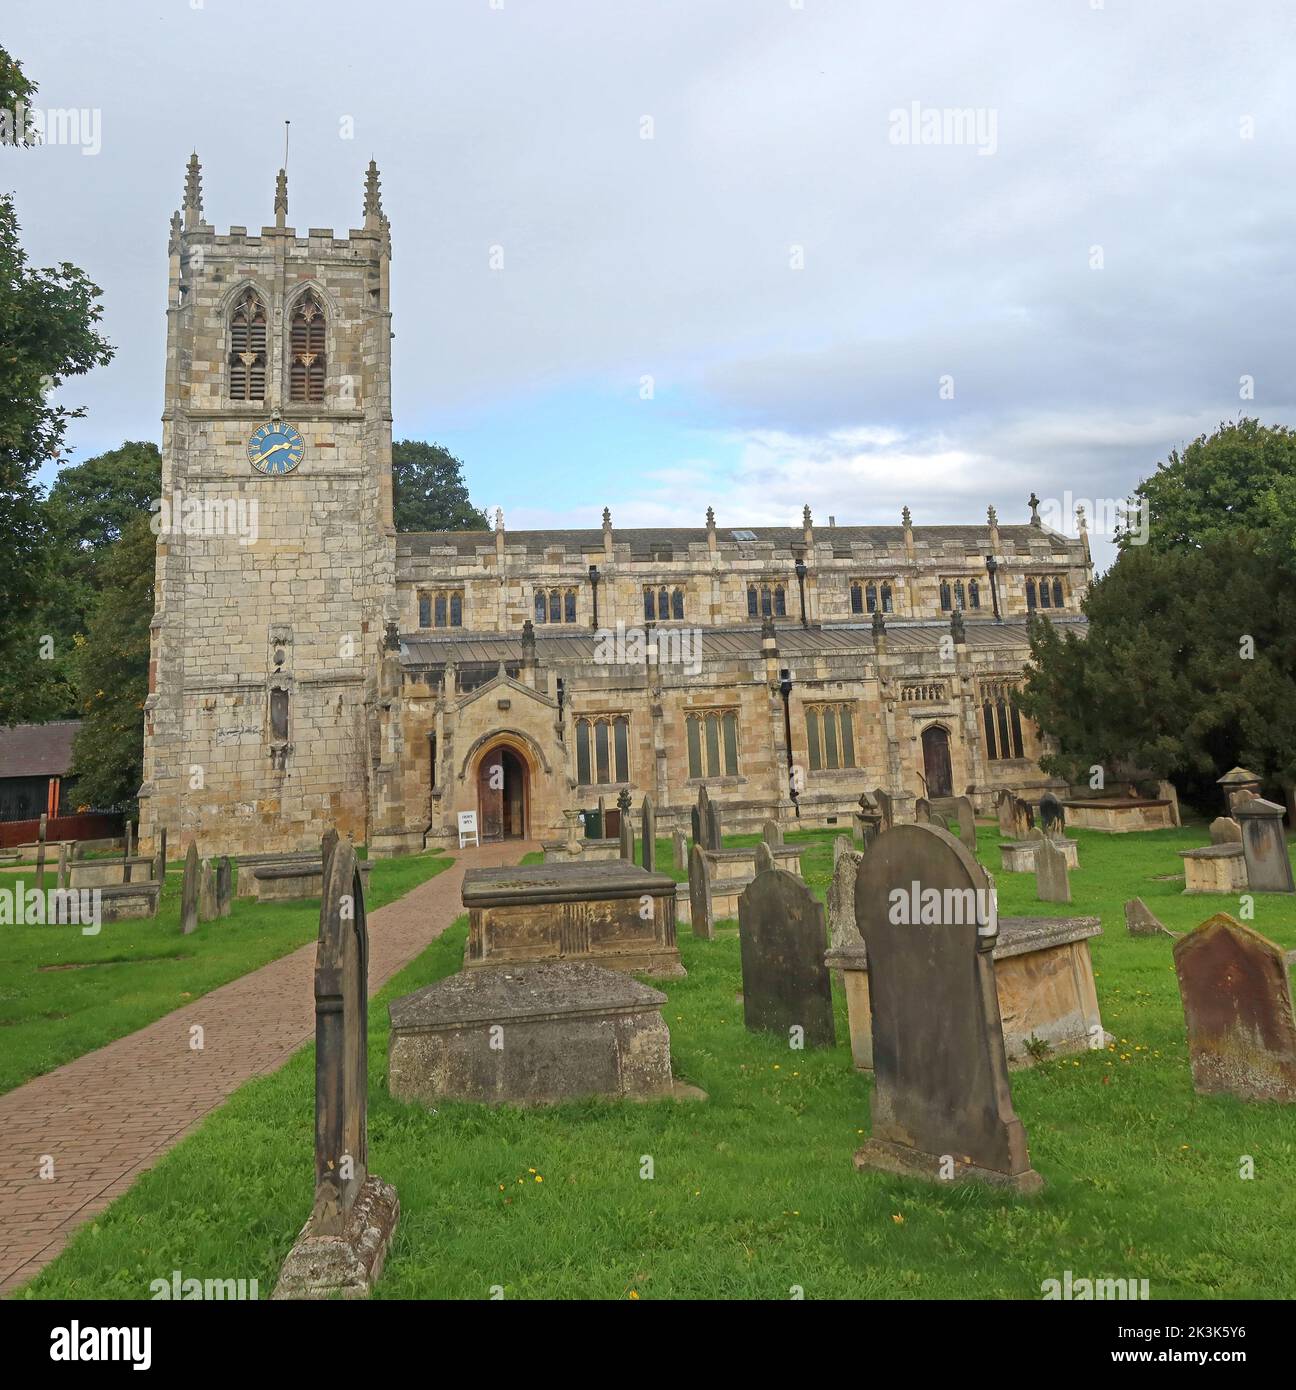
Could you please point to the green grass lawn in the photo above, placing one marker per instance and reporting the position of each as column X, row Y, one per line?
column 63, row 994
column 753, row 1193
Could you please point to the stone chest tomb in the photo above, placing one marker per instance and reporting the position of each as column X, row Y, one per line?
column 612, row 914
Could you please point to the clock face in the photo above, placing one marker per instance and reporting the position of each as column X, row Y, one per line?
column 276, row 448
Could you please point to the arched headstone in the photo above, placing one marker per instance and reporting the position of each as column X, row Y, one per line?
column 700, row 895
column 782, row 935
column 941, row 1103
column 189, row 891
column 343, row 1244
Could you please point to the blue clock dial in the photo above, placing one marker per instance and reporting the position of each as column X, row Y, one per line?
column 275, row 448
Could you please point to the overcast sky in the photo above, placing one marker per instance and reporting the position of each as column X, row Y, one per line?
column 1051, row 304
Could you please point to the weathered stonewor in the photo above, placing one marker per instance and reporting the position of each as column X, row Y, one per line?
column 627, row 840
column 1052, row 883
column 1018, row 856
column 160, row 872
column 885, row 808
column 1166, row 792
column 842, row 930
column 782, row 936
column 295, row 879
column 535, row 1034
column 189, row 891
column 841, row 845
column 328, row 844
column 1217, row 868
column 922, row 811
column 206, row 892
column 1023, row 815
column 248, row 864
column 696, row 825
column 701, row 818
column 1237, row 1003
column 578, row 911
column 343, row 1244
column 714, row 831
column 1140, row 920
column 63, row 862
column 1264, row 846
column 764, row 858
column 224, row 886
column 41, row 835
column 1224, row 830
column 128, row 852
column 729, row 871
column 648, row 832
column 1119, row 814
column 772, row 833
column 679, row 842
column 941, row 1101
column 106, row 873
column 966, row 814
column 699, row 882
column 1005, row 809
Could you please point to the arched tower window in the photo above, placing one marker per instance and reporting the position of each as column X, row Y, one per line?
column 306, row 371
column 247, row 357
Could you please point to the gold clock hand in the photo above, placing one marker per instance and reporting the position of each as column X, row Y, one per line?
column 274, row 449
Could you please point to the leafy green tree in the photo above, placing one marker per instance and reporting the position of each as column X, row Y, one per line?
column 1188, row 668
column 429, row 492
column 16, row 90
column 85, row 514
column 112, row 675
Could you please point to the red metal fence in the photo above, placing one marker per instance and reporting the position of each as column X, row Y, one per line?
column 88, row 827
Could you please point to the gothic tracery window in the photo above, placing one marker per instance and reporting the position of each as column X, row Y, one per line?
column 766, row 600
column 830, row 736
column 247, row 355
column 555, row 605
column 602, row 749
column 712, row 738
column 306, row 369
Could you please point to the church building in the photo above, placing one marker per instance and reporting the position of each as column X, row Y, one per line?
column 313, row 667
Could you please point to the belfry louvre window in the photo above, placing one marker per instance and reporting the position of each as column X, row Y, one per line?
column 662, row 603
column 247, row 357
column 441, row 608
column 766, row 601
column 830, row 736
column 1002, row 722
column 602, row 749
column 555, row 605
column 306, row 370
column 713, row 743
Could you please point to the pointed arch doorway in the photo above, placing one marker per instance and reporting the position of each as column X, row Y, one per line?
column 503, row 793
column 937, row 772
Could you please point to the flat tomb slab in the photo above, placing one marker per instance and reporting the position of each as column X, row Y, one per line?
column 1018, row 856
column 612, row 914
column 1215, row 869
column 286, row 882
column 530, row 1035
column 1119, row 814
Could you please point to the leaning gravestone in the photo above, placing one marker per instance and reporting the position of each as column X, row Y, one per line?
column 41, row 833
column 1141, row 921
column 764, row 857
column 680, row 841
column 189, row 891
column 1006, row 812
column 1264, row 846
column 343, row 1244
column 842, row 930
column 1023, row 819
column 1237, row 1003
column 1224, row 830
column 1052, row 882
column 941, row 1102
column 700, row 895
column 885, row 808
column 841, row 845
column 224, row 886
column 648, row 831
column 782, row 936
column 627, row 839
column 714, row 838
column 772, row 834
column 206, row 892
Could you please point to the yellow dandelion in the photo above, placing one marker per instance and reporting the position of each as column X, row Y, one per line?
column 898, row 1218
column 634, row 1293
column 539, row 1178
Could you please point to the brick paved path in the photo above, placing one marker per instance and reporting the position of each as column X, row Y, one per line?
column 109, row 1115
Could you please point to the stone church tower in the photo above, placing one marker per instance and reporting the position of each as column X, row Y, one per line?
column 276, row 549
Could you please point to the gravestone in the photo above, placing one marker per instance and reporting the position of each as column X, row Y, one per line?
column 648, row 825
column 160, row 875
column 941, row 1102
column 842, row 930
column 1224, row 830
column 841, row 845
column 966, row 814
column 782, row 936
column 885, row 809
column 1237, row 1003
column 343, row 1244
column 764, row 857
column 1264, row 846
column 714, row 838
column 1052, row 882
column 62, row 880
column 922, row 811
column 224, row 886
column 627, row 840
column 128, row 851
column 1007, row 816
column 700, row 895
column 680, row 841
column 1052, row 814
column 189, row 891
column 696, row 826
column 772, row 833
column 328, row 844
column 206, row 892
column 1166, row 792
column 1141, row 921
column 41, row 833
column 1023, row 819
column 702, row 819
